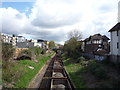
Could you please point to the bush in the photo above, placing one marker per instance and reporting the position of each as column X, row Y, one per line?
column 43, row 51
column 31, row 53
column 101, row 73
column 35, row 51
column 97, row 69
column 11, row 72
column 7, row 51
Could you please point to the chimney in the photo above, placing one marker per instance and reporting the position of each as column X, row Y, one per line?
column 119, row 11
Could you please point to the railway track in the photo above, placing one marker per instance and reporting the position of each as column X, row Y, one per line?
column 55, row 77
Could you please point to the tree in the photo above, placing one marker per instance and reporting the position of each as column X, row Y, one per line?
column 51, row 44
column 75, row 34
column 72, row 47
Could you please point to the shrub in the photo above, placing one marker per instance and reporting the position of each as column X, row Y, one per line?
column 11, row 72
column 7, row 51
column 31, row 53
column 97, row 69
column 43, row 51
column 35, row 51
column 101, row 73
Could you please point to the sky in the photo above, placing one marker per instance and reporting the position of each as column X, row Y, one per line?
column 54, row 19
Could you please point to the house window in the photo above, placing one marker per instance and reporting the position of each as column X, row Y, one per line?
column 117, row 33
column 117, row 45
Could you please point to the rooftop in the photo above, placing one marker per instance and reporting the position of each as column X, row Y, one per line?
column 115, row 28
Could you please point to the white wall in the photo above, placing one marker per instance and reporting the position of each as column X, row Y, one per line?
column 119, row 11
column 38, row 44
column 114, row 40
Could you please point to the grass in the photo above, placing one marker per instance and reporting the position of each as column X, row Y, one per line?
column 18, row 75
column 74, row 71
column 92, row 73
column 29, row 73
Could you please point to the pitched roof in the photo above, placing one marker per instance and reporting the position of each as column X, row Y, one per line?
column 115, row 28
column 97, row 36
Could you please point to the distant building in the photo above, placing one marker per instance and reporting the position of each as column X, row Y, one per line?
column 97, row 44
column 25, row 44
column 20, row 39
column 12, row 39
column 43, row 43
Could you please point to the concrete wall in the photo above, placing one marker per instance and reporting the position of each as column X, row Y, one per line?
column 114, row 40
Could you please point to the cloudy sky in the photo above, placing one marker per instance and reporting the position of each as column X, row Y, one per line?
column 53, row 19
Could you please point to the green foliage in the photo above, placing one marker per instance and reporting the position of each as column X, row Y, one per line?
column 32, row 52
column 7, row 51
column 51, row 44
column 11, row 72
column 18, row 75
column 97, row 69
column 43, row 51
column 29, row 74
column 35, row 50
column 74, row 72
column 72, row 48
column 26, row 52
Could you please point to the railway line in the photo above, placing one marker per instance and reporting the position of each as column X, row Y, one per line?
column 55, row 77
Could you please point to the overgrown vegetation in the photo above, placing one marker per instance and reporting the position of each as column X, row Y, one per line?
column 92, row 73
column 17, row 73
column 32, row 53
column 7, row 51
column 29, row 73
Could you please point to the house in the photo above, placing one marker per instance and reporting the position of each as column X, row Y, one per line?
column 43, row 43
column 20, row 39
column 115, row 39
column 115, row 36
column 97, row 44
column 6, row 39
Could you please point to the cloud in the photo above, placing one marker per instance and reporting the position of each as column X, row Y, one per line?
column 53, row 19
column 12, row 20
column 52, row 13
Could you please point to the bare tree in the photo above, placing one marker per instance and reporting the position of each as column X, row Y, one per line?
column 75, row 34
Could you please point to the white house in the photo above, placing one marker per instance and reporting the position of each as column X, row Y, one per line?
column 115, row 39
column 115, row 36
column 20, row 39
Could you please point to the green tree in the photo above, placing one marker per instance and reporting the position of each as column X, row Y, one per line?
column 51, row 44
column 72, row 47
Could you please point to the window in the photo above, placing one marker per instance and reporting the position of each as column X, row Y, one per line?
column 117, row 45
column 117, row 33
